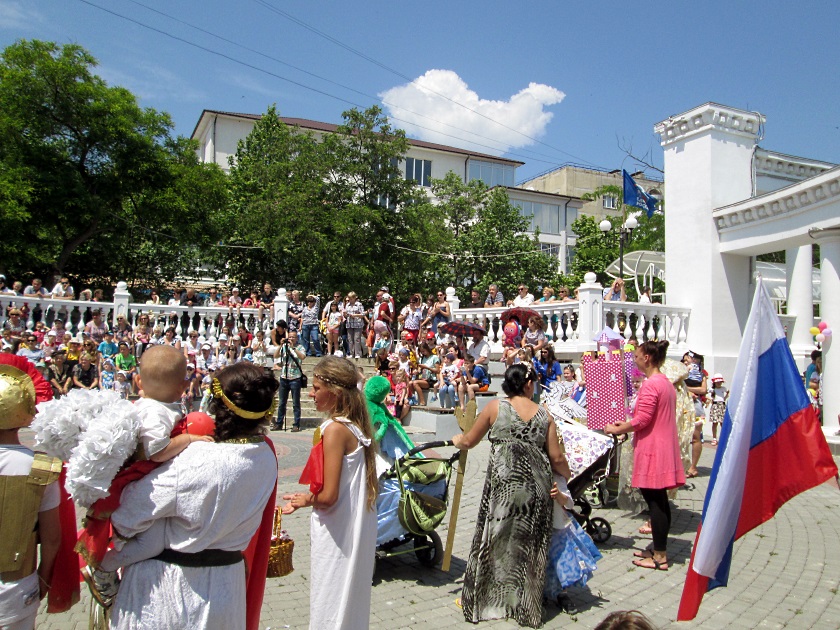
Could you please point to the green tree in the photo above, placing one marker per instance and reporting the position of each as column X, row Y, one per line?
column 328, row 213
column 278, row 197
column 595, row 252
column 485, row 240
column 83, row 166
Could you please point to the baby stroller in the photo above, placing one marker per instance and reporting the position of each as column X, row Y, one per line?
column 589, row 454
column 412, row 502
column 592, row 477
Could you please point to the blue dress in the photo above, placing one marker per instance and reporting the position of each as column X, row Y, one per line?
column 572, row 557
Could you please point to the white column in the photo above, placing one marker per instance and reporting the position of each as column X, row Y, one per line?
column 452, row 298
column 800, row 302
column 590, row 312
column 829, row 241
column 281, row 306
column 708, row 164
column 121, row 300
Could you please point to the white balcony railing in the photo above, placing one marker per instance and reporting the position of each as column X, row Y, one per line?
column 570, row 326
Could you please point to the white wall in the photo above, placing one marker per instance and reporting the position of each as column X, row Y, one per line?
column 708, row 164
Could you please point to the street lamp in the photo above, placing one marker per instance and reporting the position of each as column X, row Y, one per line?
column 623, row 238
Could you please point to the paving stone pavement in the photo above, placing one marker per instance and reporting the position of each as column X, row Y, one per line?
column 786, row 573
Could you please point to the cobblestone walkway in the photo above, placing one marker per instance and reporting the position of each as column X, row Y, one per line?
column 784, row 574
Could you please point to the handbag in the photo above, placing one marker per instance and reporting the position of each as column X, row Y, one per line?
column 281, row 549
column 304, row 380
column 419, row 513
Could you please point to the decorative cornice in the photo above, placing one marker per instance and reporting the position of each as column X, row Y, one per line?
column 789, row 200
column 708, row 117
column 791, row 167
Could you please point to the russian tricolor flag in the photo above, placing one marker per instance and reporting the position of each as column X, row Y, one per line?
column 771, row 448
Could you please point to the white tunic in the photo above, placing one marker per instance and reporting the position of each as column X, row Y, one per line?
column 343, row 544
column 211, row 496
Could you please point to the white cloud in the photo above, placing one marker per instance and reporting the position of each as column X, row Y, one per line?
column 13, row 15
column 448, row 108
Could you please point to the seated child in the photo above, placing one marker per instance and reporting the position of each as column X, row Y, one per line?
column 107, row 349
column 475, row 379
column 401, row 406
column 163, row 380
column 449, row 374
column 106, row 378
column 122, row 385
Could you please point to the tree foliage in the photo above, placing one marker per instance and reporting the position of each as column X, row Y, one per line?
column 486, row 240
column 91, row 184
column 326, row 212
column 595, row 252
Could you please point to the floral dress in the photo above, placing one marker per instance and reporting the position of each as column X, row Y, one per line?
column 507, row 562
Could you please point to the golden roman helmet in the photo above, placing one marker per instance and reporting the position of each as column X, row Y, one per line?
column 17, row 398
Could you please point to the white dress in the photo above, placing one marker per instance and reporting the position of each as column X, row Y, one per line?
column 343, row 540
column 211, row 496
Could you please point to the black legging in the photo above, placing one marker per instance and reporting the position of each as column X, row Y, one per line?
column 660, row 516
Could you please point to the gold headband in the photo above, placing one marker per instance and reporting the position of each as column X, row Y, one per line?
column 332, row 381
column 242, row 413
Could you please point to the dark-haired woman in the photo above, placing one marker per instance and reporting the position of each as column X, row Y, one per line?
column 507, row 561
column 343, row 525
column 212, row 498
column 657, row 465
column 548, row 368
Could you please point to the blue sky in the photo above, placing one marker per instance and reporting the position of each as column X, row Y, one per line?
column 545, row 82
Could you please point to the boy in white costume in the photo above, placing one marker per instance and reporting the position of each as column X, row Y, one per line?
column 162, row 379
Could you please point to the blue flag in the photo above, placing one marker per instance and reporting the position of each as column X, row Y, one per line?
column 635, row 196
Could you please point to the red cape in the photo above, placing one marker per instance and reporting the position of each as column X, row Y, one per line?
column 64, row 586
column 256, row 560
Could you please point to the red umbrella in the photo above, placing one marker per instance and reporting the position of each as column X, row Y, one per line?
column 521, row 313
column 460, row 327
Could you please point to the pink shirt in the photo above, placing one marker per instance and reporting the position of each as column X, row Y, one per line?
column 656, row 462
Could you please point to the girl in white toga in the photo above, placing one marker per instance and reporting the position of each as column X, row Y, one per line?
column 343, row 527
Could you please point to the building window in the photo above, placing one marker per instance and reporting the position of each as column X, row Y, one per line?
column 419, row 170
column 491, row 173
column 542, row 216
column 551, row 250
column 610, row 202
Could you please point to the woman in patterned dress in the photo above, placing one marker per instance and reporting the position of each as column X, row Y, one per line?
column 507, row 561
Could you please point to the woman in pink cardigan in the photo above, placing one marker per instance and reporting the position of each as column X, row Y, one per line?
column 656, row 461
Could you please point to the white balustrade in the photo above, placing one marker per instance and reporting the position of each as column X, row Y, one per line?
column 206, row 320
column 571, row 326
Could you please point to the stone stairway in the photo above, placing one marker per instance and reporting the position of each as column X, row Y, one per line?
column 430, row 419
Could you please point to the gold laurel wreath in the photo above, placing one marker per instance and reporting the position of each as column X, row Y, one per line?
column 242, row 413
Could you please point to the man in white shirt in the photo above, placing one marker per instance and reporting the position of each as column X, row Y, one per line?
column 63, row 290
column 479, row 348
column 523, row 298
